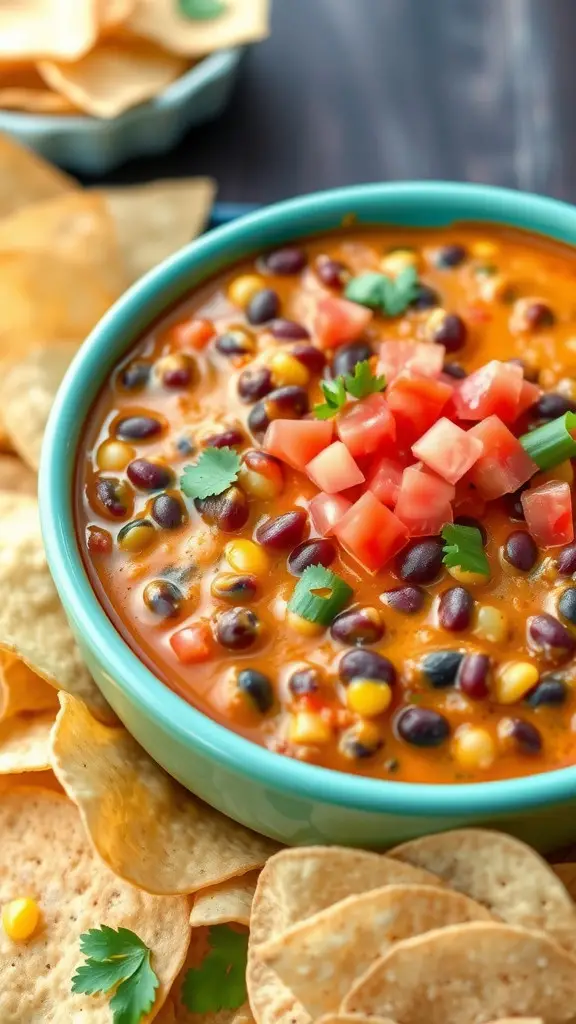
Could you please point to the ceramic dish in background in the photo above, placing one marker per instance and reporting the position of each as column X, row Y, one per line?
column 290, row 800
column 89, row 145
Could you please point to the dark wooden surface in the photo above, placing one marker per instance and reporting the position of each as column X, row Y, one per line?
column 349, row 91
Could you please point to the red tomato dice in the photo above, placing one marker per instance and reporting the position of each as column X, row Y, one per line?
column 326, row 510
column 334, row 469
column 193, row 643
column 337, row 321
column 366, row 426
column 416, row 356
column 424, row 502
column 493, row 390
column 529, row 395
column 384, row 480
column 416, row 403
column 448, row 450
column 548, row 511
column 504, row 465
column 191, row 334
column 371, row 533
column 297, row 442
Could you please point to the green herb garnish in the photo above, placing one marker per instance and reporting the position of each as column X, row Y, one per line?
column 117, row 960
column 201, row 10
column 334, row 392
column 220, row 981
column 464, row 549
column 319, row 595
column 388, row 295
column 552, row 443
column 358, row 384
column 213, row 473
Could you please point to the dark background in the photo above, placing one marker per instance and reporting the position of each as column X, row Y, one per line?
column 348, row 91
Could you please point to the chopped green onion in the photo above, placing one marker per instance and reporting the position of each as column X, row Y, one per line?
column 463, row 549
column 319, row 595
column 552, row 443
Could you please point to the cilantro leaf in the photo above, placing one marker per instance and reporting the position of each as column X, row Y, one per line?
column 117, row 958
column 464, row 549
column 335, row 394
column 363, row 382
column 219, row 983
column 213, row 473
column 388, row 295
column 201, row 10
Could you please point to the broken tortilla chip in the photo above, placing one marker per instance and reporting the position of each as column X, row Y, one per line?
column 25, row 743
column 26, row 178
column 242, row 21
column 15, row 476
column 320, row 972
column 22, row 88
column 469, row 972
column 32, row 622
column 22, row 690
column 32, row 29
column 158, row 218
column 112, row 13
column 150, row 830
column 501, row 872
column 45, row 854
column 230, row 901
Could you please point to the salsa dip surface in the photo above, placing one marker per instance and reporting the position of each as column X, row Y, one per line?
column 328, row 501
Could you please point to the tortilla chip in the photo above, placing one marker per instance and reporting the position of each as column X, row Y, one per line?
column 32, row 29
column 22, row 88
column 112, row 13
column 25, row 743
column 243, row 21
column 294, row 885
column 356, row 1018
column 514, row 1020
column 32, row 623
column 27, row 178
column 321, row 958
column 15, row 476
column 501, row 872
column 158, row 218
column 230, row 901
column 150, row 830
column 22, row 690
column 27, row 393
column 45, row 854
column 116, row 75
column 38, row 780
column 470, row 972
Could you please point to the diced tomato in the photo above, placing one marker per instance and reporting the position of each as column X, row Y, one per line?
column 297, row 442
column 326, row 510
column 366, row 425
column 504, row 465
column 193, row 644
column 371, row 533
column 416, row 403
column 191, row 334
column 337, row 321
column 529, row 395
column 418, row 356
column 384, row 480
column 448, row 450
column 424, row 502
column 493, row 390
column 334, row 469
column 548, row 511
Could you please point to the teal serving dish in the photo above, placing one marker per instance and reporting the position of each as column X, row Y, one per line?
column 291, row 801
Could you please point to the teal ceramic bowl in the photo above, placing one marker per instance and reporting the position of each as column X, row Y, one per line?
column 293, row 802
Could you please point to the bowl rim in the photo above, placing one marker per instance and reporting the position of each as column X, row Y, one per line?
column 126, row 319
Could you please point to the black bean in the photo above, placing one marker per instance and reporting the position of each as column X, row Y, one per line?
column 258, row 421
column 288, row 330
column 526, row 736
column 357, row 743
column 567, row 605
column 513, row 504
column 455, row 371
column 451, row 255
column 236, row 343
column 332, row 273
column 407, row 600
column 566, row 560
column 304, row 681
column 290, row 403
column 550, row 638
column 168, row 512
column 288, row 260
column 441, row 668
column 551, row 691
column 455, row 609
column 311, row 552
column 135, row 376
column 263, row 306
column 228, row 586
column 232, row 437
column 451, row 332
column 552, row 405
column 149, row 476
column 257, row 687
column 521, row 551
column 538, row 314
column 254, row 383
column 310, row 357
column 426, row 298
column 228, row 511
column 177, row 371
column 422, row 727
column 163, row 598
column 357, row 627
column 472, row 677
column 347, row 357
column 366, row 665
column 114, row 497
column 138, row 428
column 422, row 561
column 237, row 629
column 474, row 523
column 282, row 531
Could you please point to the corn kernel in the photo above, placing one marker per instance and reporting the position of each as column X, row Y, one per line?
column 563, row 471
column 398, row 260
column 20, row 918
column 483, row 250
column 368, row 698
column 309, row 727
column 246, row 556
column 114, row 455
column 287, row 370
column 467, row 578
column 515, row 680
column 303, row 626
column 491, row 624
column 244, row 288
column 433, row 322
column 498, row 286
column 473, row 748
column 136, row 536
column 260, row 476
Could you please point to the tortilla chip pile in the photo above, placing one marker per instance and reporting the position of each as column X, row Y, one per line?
column 101, row 57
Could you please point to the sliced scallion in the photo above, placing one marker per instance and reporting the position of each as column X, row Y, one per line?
column 319, row 595
column 552, row 443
